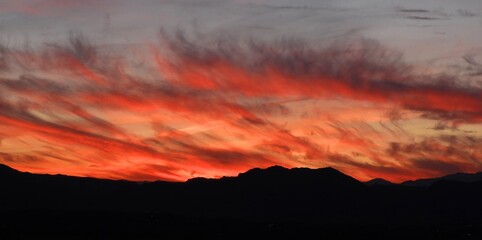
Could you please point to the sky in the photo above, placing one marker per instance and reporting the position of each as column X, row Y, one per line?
column 171, row 90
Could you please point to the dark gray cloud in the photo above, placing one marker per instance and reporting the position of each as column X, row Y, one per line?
column 415, row 17
column 437, row 165
column 407, row 10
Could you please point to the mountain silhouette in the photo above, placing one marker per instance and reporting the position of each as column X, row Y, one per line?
column 379, row 182
column 7, row 171
column 457, row 177
column 293, row 203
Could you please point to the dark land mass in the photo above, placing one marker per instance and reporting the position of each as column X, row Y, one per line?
column 379, row 182
column 457, row 177
column 270, row 203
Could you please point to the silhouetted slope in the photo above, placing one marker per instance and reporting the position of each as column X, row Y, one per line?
column 6, row 171
column 22, row 190
column 379, row 182
column 279, row 176
column 457, row 177
column 299, row 199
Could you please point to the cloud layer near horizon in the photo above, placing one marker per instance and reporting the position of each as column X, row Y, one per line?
column 197, row 105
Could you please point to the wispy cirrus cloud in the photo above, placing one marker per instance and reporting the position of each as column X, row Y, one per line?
column 357, row 69
column 210, row 106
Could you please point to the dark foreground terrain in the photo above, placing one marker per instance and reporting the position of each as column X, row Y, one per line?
column 274, row 202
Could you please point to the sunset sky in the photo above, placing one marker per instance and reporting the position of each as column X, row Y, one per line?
column 171, row 90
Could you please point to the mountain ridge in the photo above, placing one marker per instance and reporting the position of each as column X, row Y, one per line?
column 277, row 170
column 456, row 177
column 379, row 182
column 299, row 200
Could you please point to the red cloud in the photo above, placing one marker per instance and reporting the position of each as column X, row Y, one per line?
column 361, row 70
column 214, row 111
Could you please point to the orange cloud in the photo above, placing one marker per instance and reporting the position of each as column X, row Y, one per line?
column 92, row 113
